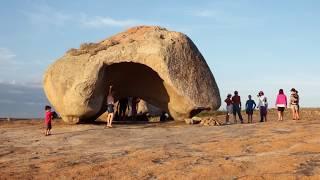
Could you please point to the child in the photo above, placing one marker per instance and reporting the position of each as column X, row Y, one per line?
column 250, row 106
column 228, row 101
column 47, row 120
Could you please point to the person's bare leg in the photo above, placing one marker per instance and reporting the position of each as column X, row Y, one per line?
column 227, row 118
column 279, row 115
column 108, row 117
column 293, row 114
column 297, row 114
column 111, row 118
column 235, row 118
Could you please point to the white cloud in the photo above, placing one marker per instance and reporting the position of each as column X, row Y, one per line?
column 205, row 13
column 44, row 15
column 6, row 55
column 99, row 21
column 226, row 19
column 6, row 101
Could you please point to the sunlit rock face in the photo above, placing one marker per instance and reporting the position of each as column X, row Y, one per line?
column 162, row 67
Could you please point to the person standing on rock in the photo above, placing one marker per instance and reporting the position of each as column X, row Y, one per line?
column 281, row 104
column 110, row 107
column 47, row 120
column 250, row 106
column 294, row 104
column 236, row 102
column 263, row 106
column 228, row 101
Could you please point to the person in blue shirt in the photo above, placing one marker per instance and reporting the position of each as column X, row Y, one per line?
column 250, row 106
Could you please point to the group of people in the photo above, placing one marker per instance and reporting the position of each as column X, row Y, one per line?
column 233, row 103
column 124, row 104
column 234, row 106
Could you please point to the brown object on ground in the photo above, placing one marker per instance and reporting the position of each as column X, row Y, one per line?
column 163, row 67
column 210, row 121
column 173, row 150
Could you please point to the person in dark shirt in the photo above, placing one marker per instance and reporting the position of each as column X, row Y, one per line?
column 250, row 106
column 123, row 106
column 236, row 102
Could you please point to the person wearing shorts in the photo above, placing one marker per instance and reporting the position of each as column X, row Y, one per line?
column 47, row 120
column 110, row 107
column 250, row 106
column 281, row 104
column 228, row 101
column 294, row 104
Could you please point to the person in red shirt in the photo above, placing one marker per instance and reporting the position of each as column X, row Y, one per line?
column 236, row 102
column 47, row 120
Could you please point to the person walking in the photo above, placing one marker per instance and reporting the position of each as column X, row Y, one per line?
column 294, row 104
column 262, row 106
column 236, row 103
column 281, row 104
column 228, row 102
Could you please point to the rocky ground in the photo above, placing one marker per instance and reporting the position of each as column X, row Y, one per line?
column 172, row 150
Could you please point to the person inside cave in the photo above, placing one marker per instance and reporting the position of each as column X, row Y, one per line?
column 110, row 107
column 122, row 108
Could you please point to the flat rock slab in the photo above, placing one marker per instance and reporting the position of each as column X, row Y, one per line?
column 170, row 150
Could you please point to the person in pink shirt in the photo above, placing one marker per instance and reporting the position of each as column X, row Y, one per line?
column 47, row 120
column 281, row 104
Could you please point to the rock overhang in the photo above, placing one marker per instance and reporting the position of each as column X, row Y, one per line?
column 76, row 84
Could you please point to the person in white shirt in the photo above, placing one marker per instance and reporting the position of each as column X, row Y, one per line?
column 262, row 106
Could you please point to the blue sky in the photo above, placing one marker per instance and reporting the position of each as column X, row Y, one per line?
column 250, row 45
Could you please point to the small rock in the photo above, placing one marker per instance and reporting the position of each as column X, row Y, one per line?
column 196, row 120
column 188, row 121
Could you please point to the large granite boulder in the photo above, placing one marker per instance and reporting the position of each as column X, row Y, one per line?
column 163, row 67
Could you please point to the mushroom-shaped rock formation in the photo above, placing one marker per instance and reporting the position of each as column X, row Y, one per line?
column 163, row 67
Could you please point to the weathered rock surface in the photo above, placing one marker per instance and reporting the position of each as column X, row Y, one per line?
column 163, row 67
